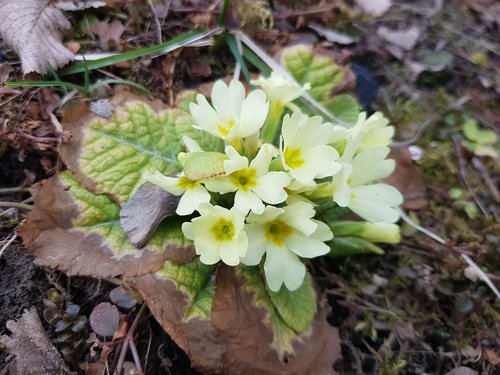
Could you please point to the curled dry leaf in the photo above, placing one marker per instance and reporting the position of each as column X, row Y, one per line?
column 35, row 354
column 33, row 28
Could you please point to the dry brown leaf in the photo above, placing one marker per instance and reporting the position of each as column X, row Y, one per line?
column 49, row 235
column 408, row 179
column 33, row 28
column 35, row 354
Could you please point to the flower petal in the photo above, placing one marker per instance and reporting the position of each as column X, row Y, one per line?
column 270, row 187
column 253, row 113
column 306, row 247
column 298, row 216
column 257, row 244
column 167, row 183
column 231, row 251
column 283, row 266
column 246, row 201
column 374, row 203
column 192, row 199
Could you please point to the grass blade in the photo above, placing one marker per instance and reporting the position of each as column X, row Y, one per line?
column 169, row 46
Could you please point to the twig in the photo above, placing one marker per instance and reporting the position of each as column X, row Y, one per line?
column 128, row 339
column 442, row 241
column 463, row 175
column 483, row 172
column 157, row 22
column 16, row 189
column 16, row 205
column 419, row 132
column 237, row 68
column 8, row 242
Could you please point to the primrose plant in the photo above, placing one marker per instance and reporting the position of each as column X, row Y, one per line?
column 256, row 202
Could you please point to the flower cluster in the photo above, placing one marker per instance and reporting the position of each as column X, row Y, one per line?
column 256, row 200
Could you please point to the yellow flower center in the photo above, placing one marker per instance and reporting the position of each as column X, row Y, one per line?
column 244, row 179
column 223, row 230
column 186, row 183
column 293, row 157
column 225, row 128
column 277, row 231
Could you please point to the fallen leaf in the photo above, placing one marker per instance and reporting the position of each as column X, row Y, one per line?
column 462, row 370
column 375, row 8
column 408, row 179
column 332, row 35
column 33, row 28
column 109, row 34
column 489, row 11
column 35, row 354
column 72, row 5
column 405, row 39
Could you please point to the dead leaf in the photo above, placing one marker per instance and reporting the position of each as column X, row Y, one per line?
column 408, row 179
column 5, row 70
column 332, row 35
column 462, row 370
column 489, row 11
column 72, row 5
column 376, row 8
column 241, row 324
column 33, row 28
column 109, row 34
column 405, row 39
column 144, row 211
column 49, row 235
column 105, row 319
column 491, row 356
column 35, row 354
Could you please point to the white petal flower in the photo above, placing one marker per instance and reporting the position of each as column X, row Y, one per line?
column 370, row 165
column 279, row 89
column 253, row 183
column 232, row 116
column 218, row 234
column 304, row 150
column 377, row 132
column 193, row 193
column 284, row 234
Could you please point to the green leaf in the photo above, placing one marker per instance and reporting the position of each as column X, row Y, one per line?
column 345, row 107
column 298, row 307
column 348, row 246
column 323, row 74
column 117, row 152
column 195, row 280
column 474, row 133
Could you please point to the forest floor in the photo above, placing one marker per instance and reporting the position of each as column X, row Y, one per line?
column 432, row 67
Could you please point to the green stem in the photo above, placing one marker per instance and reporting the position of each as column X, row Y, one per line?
column 272, row 126
column 223, row 14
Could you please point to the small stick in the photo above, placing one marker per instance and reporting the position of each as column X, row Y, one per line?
column 483, row 172
column 16, row 189
column 463, row 175
column 157, row 22
column 442, row 241
column 16, row 205
column 128, row 339
column 8, row 242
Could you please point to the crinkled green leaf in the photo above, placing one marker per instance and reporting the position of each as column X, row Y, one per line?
column 348, row 246
column 195, row 280
column 285, row 317
column 101, row 215
column 297, row 307
column 136, row 139
column 345, row 107
column 323, row 74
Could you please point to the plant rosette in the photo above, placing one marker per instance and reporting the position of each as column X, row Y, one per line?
column 236, row 192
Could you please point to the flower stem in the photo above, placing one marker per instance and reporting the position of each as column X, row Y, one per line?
column 271, row 127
